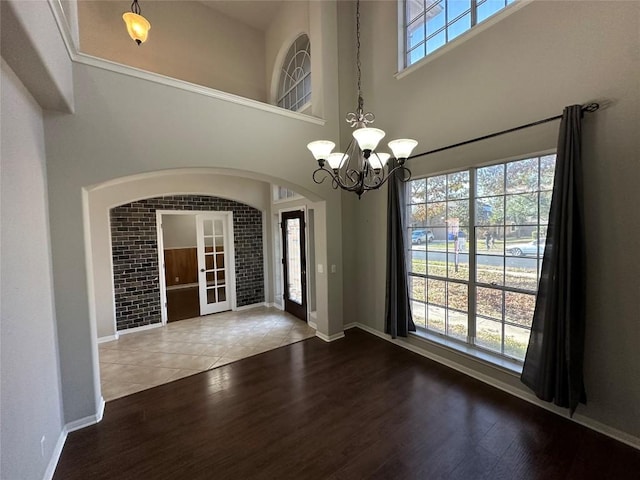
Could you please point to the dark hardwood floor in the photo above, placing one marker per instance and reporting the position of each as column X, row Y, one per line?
column 356, row 408
column 182, row 303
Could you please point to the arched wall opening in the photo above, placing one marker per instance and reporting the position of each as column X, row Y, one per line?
column 224, row 184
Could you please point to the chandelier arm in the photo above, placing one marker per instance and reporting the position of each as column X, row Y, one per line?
column 354, row 176
column 325, row 172
column 406, row 173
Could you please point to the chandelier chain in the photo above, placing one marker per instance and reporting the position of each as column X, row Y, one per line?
column 358, row 63
column 135, row 8
column 360, row 170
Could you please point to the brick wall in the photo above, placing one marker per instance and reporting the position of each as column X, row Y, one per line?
column 135, row 254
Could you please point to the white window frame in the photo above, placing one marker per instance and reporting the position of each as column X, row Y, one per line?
column 404, row 69
column 469, row 346
column 291, row 195
column 289, row 70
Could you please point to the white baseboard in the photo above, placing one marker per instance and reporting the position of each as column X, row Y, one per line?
column 614, row 433
column 109, row 338
column 86, row 421
column 312, row 324
column 350, row 325
column 139, row 329
column 251, row 306
column 330, row 338
column 55, row 455
column 275, row 305
column 68, row 428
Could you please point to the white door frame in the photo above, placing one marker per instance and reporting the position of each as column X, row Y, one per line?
column 161, row 267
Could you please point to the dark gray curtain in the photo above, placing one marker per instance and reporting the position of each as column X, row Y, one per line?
column 398, row 321
column 554, row 360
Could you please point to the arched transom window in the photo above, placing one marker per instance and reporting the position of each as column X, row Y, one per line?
column 294, row 91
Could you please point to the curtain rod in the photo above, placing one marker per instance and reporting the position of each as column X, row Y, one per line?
column 590, row 107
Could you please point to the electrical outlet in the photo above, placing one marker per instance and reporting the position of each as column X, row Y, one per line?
column 177, row 279
column 43, row 440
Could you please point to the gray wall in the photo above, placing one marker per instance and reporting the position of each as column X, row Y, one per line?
column 135, row 254
column 30, row 379
column 188, row 41
column 524, row 68
column 123, row 127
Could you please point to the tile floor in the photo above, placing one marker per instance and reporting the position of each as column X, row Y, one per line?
column 142, row 360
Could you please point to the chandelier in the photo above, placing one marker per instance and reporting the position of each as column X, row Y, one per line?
column 361, row 168
column 137, row 26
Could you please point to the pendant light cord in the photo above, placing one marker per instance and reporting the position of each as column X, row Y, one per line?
column 360, row 100
column 135, row 8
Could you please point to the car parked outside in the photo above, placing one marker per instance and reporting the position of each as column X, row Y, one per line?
column 421, row 236
column 531, row 248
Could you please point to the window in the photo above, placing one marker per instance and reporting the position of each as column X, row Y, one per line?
column 294, row 90
column 430, row 24
column 473, row 275
column 282, row 194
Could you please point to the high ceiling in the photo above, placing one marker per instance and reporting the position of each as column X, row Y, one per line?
column 255, row 13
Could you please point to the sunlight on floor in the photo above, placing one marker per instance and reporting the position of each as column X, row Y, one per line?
column 142, row 360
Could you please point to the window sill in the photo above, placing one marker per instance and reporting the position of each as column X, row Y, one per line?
column 510, row 366
column 447, row 47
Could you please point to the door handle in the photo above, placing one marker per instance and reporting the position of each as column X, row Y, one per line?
column 202, row 270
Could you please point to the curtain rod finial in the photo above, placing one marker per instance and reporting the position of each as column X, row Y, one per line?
column 590, row 107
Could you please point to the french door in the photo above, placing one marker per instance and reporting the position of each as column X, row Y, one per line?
column 214, row 242
column 294, row 264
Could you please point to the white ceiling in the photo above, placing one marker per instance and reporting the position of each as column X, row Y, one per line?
column 255, row 13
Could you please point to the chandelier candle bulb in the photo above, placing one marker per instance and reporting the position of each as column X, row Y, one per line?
column 402, row 147
column 321, row 149
column 137, row 26
column 368, row 138
column 378, row 161
column 337, row 159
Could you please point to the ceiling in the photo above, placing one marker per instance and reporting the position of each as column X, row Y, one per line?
column 256, row 13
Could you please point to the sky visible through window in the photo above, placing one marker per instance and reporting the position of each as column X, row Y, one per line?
column 430, row 24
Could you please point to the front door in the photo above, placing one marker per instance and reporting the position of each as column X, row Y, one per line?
column 213, row 262
column 294, row 264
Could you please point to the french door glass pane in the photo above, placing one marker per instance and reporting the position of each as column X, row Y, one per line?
column 211, row 295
